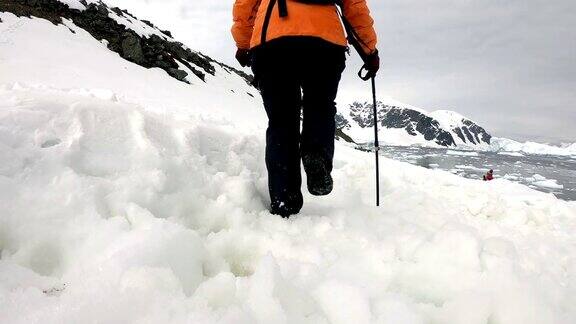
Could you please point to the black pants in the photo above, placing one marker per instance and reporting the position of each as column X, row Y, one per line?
column 297, row 75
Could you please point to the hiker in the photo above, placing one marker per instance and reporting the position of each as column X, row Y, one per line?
column 297, row 54
column 489, row 175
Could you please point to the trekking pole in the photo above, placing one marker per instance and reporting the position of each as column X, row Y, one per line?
column 376, row 143
column 372, row 77
column 355, row 41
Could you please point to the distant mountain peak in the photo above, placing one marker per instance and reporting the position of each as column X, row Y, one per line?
column 441, row 127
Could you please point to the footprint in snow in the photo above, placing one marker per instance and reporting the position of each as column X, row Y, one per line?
column 50, row 143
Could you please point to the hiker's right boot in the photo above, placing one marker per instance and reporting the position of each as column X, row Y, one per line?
column 318, row 176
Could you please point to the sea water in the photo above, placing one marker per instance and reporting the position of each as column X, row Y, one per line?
column 547, row 173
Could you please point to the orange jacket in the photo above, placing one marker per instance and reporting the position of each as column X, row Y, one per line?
column 303, row 20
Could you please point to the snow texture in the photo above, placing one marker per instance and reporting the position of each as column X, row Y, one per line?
column 463, row 153
column 140, row 28
column 130, row 197
column 74, row 4
column 541, row 181
column 508, row 145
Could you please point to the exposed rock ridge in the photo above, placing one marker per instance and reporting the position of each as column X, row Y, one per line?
column 159, row 51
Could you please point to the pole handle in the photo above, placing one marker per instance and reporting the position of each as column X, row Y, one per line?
column 364, row 73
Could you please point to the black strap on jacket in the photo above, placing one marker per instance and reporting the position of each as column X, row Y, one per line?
column 282, row 8
column 267, row 20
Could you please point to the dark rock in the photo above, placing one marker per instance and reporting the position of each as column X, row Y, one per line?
column 131, row 48
column 102, row 9
column 147, row 22
column 410, row 130
column 117, row 11
column 178, row 74
column 341, row 122
column 341, row 135
column 468, row 135
column 479, row 133
column 458, row 132
column 129, row 14
column 166, row 64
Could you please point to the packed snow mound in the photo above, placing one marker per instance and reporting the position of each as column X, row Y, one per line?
column 130, row 197
column 116, row 214
column 404, row 125
column 508, row 145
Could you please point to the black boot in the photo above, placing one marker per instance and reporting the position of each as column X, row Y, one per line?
column 288, row 206
column 318, row 176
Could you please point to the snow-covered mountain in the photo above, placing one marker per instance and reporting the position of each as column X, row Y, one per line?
column 405, row 125
column 132, row 194
column 402, row 124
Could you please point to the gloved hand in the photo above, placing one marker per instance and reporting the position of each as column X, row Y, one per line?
column 372, row 64
column 244, row 57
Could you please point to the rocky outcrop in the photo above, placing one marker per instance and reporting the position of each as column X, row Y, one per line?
column 472, row 133
column 156, row 51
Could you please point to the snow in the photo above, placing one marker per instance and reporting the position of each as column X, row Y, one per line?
column 448, row 119
column 137, row 26
column 129, row 197
column 463, row 153
column 541, row 181
column 388, row 136
column 129, row 22
column 395, row 103
column 74, row 4
column 73, row 61
column 508, row 145
column 517, row 154
column 470, row 167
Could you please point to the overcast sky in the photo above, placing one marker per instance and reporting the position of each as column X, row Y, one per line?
column 510, row 65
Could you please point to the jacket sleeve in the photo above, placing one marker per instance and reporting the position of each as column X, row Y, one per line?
column 358, row 14
column 244, row 13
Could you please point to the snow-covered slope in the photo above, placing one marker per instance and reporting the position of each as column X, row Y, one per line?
column 401, row 124
column 127, row 196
